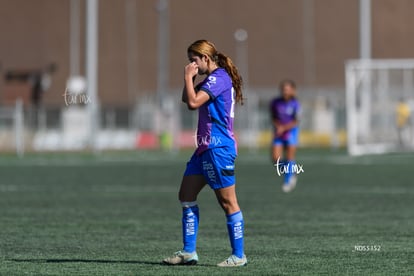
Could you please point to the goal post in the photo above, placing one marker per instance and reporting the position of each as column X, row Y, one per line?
column 379, row 103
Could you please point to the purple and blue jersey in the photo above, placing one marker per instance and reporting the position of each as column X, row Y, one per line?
column 286, row 112
column 216, row 147
column 215, row 117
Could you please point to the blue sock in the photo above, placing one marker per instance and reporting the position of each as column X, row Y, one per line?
column 288, row 174
column 190, row 227
column 235, row 227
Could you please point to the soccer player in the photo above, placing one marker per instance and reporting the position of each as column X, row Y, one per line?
column 403, row 114
column 284, row 111
column 213, row 161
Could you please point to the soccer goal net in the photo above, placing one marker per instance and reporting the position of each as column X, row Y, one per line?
column 380, row 98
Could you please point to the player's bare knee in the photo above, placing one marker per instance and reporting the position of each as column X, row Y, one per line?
column 229, row 206
column 182, row 196
column 225, row 207
column 186, row 196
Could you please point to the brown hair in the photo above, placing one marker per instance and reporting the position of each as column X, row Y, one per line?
column 204, row 47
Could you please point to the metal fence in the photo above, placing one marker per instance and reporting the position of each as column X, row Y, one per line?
column 169, row 125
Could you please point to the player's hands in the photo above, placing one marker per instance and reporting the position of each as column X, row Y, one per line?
column 279, row 131
column 191, row 70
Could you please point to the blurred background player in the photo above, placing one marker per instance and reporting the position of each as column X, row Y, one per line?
column 403, row 114
column 284, row 111
column 213, row 160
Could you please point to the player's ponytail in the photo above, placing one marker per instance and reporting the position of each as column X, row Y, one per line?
column 204, row 47
column 225, row 62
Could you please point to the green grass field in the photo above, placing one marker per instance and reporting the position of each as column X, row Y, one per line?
column 118, row 214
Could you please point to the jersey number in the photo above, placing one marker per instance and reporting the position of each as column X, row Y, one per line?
column 233, row 101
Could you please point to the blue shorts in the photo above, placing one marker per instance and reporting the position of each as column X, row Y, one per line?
column 292, row 138
column 216, row 165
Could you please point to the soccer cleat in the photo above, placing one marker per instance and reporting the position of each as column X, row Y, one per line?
column 288, row 187
column 182, row 258
column 233, row 261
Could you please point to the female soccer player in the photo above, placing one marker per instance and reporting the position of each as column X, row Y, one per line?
column 284, row 110
column 213, row 160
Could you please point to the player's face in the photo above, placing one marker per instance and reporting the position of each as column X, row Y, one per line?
column 288, row 91
column 201, row 63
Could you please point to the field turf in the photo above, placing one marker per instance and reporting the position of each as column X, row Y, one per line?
column 118, row 214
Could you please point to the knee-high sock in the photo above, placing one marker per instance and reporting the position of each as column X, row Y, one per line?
column 235, row 227
column 289, row 172
column 190, row 226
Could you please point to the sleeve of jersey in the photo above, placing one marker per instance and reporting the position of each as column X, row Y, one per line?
column 213, row 86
